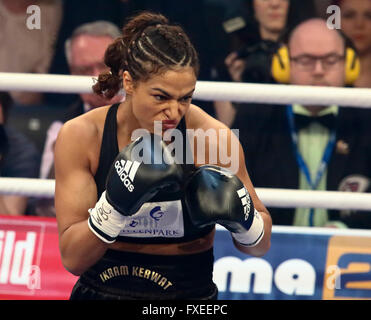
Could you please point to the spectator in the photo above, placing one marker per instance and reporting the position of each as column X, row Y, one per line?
column 85, row 55
column 18, row 159
column 267, row 134
column 112, row 11
column 28, row 50
column 226, row 19
column 267, row 19
column 356, row 24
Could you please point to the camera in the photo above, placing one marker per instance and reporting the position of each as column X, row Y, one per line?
column 258, row 61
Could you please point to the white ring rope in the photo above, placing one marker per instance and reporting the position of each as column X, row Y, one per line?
column 205, row 90
column 210, row 91
column 279, row 198
column 40, row 188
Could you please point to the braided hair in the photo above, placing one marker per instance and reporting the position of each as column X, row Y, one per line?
column 149, row 45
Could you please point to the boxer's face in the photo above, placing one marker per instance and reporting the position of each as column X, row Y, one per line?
column 317, row 56
column 163, row 97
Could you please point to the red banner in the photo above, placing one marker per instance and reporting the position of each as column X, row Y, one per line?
column 30, row 262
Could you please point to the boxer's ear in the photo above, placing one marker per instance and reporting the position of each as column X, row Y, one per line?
column 127, row 82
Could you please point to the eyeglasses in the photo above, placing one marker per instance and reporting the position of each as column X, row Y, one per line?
column 309, row 62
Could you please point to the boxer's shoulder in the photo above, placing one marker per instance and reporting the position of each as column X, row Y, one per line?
column 87, row 126
column 196, row 118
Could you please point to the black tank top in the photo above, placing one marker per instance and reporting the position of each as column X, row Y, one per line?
column 148, row 226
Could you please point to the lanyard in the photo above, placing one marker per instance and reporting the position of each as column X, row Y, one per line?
column 301, row 163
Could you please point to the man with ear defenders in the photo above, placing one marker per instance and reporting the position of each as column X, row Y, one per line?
column 312, row 147
column 283, row 59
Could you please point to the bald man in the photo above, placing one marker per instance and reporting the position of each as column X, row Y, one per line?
column 310, row 147
column 317, row 57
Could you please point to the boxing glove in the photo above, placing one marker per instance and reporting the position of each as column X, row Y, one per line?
column 214, row 195
column 138, row 173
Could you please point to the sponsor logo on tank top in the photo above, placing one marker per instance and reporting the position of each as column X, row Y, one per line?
column 156, row 219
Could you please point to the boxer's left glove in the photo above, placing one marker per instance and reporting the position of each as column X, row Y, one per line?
column 215, row 195
column 131, row 182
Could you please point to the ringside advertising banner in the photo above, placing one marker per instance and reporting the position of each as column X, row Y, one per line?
column 302, row 264
column 30, row 263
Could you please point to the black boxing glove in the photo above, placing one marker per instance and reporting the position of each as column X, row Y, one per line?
column 139, row 172
column 215, row 195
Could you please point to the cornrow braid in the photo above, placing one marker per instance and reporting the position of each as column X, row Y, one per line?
column 149, row 45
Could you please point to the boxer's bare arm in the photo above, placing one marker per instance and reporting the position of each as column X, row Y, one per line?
column 75, row 193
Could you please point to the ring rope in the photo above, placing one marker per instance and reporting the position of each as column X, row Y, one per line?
column 205, row 90
column 209, row 91
column 278, row 198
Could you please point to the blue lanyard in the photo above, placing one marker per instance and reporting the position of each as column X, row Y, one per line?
column 302, row 165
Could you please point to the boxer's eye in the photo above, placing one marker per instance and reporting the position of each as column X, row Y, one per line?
column 159, row 97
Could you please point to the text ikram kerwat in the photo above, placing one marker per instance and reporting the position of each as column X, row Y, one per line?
column 135, row 271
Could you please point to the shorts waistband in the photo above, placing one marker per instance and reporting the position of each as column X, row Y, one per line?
column 119, row 271
column 152, row 258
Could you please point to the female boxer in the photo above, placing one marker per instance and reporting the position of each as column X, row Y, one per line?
column 135, row 229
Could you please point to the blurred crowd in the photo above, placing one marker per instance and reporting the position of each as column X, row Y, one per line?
column 252, row 41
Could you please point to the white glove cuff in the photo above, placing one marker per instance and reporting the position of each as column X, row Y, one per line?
column 104, row 221
column 253, row 236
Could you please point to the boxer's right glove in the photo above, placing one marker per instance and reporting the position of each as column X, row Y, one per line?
column 215, row 195
column 130, row 183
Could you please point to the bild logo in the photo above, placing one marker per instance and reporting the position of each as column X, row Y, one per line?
column 18, row 273
column 352, row 258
